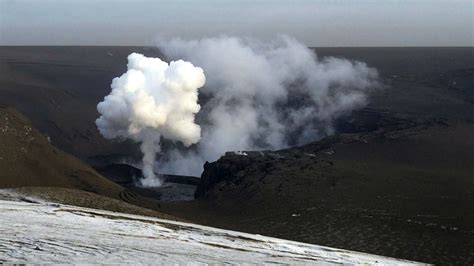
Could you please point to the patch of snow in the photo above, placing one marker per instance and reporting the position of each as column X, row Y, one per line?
column 41, row 232
column 331, row 152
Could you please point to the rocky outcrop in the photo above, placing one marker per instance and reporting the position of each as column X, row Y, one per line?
column 234, row 166
column 226, row 169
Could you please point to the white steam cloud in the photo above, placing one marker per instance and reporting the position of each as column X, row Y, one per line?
column 257, row 96
column 264, row 96
column 153, row 100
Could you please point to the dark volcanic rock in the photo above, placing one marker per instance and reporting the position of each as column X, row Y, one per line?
column 123, row 174
column 404, row 193
column 227, row 169
column 175, row 187
column 126, row 175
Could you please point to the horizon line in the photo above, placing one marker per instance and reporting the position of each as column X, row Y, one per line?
column 151, row 46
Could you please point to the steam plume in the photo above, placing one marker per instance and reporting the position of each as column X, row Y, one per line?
column 152, row 100
column 264, row 96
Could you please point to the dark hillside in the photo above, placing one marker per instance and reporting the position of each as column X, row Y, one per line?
column 28, row 159
column 402, row 193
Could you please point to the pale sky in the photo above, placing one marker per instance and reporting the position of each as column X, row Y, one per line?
column 315, row 23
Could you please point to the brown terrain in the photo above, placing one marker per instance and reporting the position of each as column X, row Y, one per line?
column 29, row 162
column 28, row 159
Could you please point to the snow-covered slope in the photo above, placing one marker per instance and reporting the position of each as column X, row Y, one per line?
column 42, row 232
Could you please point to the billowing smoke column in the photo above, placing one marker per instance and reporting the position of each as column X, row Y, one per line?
column 152, row 100
column 264, row 96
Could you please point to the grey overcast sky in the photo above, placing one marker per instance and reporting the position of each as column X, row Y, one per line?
column 316, row 22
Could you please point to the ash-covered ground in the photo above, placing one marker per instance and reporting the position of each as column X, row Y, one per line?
column 37, row 231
